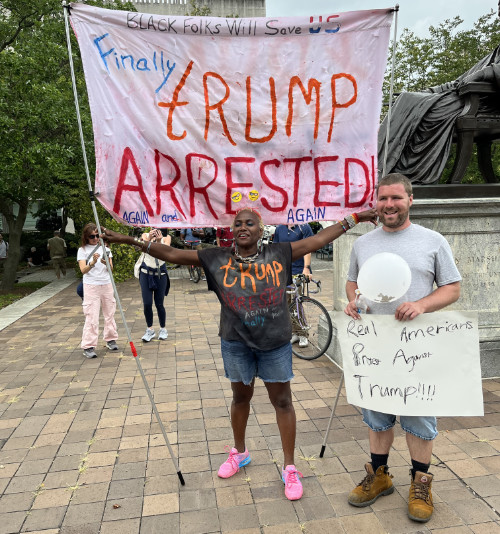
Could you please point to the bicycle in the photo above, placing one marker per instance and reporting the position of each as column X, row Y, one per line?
column 194, row 270
column 309, row 318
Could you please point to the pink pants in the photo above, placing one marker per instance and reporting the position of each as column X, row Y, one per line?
column 93, row 297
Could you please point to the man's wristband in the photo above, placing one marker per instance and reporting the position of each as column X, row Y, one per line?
column 307, row 267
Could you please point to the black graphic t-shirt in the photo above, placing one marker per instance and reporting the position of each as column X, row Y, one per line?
column 253, row 299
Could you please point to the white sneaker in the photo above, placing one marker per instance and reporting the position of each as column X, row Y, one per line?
column 148, row 335
column 303, row 342
column 162, row 334
column 294, row 339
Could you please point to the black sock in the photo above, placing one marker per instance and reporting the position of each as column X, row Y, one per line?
column 378, row 460
column 417, row 466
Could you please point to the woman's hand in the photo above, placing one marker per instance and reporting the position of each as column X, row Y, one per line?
column 95, row 257
column 368, row 216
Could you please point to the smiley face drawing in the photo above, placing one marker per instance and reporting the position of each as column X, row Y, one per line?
column 253, row 195
column 236, row 197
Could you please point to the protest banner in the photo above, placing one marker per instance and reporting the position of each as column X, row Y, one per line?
column 427, row 366
column 197, row 117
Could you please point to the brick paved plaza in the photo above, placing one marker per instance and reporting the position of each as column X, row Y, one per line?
column 81, row 453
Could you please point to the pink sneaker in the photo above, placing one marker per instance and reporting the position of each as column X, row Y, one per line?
column 293, row 485
column 232, row 465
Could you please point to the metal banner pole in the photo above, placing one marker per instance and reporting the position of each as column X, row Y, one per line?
column 66, row 9
column 391, row 89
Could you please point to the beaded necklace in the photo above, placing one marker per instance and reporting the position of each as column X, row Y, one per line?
column 248, row 259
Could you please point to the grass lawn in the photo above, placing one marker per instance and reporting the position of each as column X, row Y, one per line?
column 19, row 291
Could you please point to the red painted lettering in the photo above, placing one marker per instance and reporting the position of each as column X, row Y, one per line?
column 347, row 184
column 166, row 187
column 128, row 158
column 200, row 190
column 272, row 186
column 318, row 183
column 230, row 184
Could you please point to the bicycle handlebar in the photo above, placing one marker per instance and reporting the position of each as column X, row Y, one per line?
column 301, row 279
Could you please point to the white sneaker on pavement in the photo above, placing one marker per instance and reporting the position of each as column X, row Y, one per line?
column 162, row 334
column 294, row 339
column 148, row 335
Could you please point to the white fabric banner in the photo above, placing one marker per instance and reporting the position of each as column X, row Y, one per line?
column 197, row 117
column 427, row 366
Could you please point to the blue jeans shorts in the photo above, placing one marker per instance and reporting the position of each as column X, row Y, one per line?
column 424, row 427
column 243, row 364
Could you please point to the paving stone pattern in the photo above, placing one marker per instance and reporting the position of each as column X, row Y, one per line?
column 81, row 452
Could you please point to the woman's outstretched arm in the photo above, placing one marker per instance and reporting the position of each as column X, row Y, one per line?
column 157, row 250
column 327, row 235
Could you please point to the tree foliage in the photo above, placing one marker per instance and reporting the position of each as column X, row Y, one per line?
column 41, row 157
column 447, row 53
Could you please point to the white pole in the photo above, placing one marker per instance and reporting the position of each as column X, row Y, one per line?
column 66, row 9
column 391, row 89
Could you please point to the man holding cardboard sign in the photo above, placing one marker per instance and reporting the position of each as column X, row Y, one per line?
column 430, row 259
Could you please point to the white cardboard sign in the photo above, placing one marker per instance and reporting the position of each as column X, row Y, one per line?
column 428, row 366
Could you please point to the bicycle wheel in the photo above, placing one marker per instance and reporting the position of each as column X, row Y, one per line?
column 194, row 273
column 313, row 325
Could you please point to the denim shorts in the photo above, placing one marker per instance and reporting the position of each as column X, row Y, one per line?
column 243, row 364
column 424, row 427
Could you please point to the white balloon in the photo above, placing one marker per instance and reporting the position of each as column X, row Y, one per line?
column 384, row 277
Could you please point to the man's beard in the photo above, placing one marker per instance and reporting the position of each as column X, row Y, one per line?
column 401, row 217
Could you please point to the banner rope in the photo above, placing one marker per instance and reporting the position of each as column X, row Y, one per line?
column 66, row 10
column 391, row 88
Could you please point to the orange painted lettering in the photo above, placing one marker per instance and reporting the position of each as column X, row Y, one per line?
column 313, row 85
column 227, row 268
column 336, row 104
column 218, row 106
column 245, row 273
column 172, row 105
column 248, row 126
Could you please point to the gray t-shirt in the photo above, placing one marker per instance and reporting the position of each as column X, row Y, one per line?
column 427, row 253
column 253, row 298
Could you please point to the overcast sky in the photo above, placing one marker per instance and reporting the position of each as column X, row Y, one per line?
column 417, row 15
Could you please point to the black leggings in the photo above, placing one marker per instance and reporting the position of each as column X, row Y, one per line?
column 159, row 296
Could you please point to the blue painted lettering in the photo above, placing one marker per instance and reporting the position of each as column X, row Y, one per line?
column 130, row 62
column 299, row 215
column 136, row 217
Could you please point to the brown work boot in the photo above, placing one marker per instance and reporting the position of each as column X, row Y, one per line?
column 371, row 487
column 420, row 505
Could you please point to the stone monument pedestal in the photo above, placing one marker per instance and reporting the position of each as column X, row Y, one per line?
column 472, row 227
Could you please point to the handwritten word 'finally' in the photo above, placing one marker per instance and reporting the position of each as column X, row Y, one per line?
column 213, row 83
column 205, row 170
column 130, row 63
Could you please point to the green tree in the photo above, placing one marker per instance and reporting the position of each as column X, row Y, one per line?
column 196, row 9
column 41, row 155
column 447, row 53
